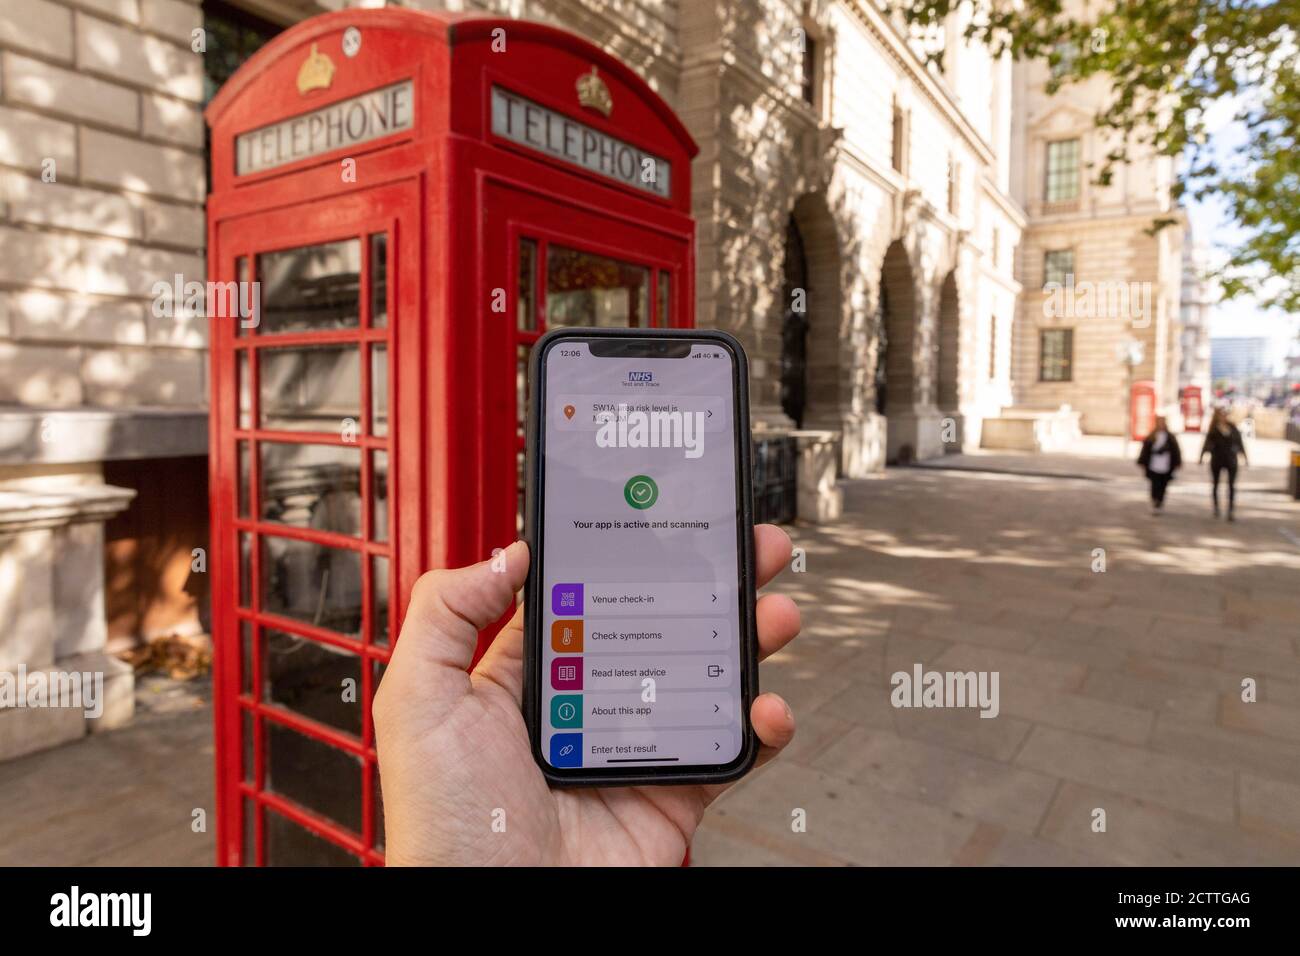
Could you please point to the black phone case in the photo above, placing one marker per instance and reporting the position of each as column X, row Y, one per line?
column 640, row 776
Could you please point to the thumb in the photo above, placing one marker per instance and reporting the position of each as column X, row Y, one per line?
column 448, row 608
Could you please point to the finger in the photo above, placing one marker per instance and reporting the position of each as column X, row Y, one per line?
column 771, row 551
column 448, row 608
column 773, row 722
column 778, row 622
column 503, row 662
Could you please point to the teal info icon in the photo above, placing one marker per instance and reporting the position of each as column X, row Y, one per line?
column 641, row 492
column 566, row 710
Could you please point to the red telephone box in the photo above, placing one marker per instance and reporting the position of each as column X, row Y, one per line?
column 412, row 199
column 1192, row 409
column 1142, row 410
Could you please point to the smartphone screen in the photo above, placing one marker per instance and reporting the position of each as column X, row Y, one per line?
column 641, row 568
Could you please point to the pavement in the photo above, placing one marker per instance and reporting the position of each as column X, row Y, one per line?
column 1121, row 735
column 137, row 796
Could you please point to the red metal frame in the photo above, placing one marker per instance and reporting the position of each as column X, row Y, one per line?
column 454, row 201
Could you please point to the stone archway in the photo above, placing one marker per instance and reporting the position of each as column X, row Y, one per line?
column 948, row 364
column 826, row 364
column 898, row 328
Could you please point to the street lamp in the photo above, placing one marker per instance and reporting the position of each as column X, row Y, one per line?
column 1130, row 354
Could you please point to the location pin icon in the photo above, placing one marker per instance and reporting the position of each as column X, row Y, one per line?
column 568, row 411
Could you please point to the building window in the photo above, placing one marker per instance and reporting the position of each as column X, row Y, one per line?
column 898, row 156
column 995, row 248
column 1062, row 58
column 1058, row 267
column 1056, row 355
column 1062, row 171
column 954, row 185
column 993, row 348
column 232, row 35
column 809, row 88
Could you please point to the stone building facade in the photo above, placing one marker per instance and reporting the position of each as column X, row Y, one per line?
column 865, row 222
column 1096, row 275
column 1196, row 304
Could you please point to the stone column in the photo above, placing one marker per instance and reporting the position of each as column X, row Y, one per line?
column 52, row 610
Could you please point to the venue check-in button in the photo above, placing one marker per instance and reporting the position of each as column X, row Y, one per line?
column 648, row 600
column 658, row 635
column 669, row 672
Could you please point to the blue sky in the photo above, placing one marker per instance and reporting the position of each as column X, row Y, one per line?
column 1211, row 225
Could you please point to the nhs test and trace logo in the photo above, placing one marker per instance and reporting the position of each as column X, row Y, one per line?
column 640, row 377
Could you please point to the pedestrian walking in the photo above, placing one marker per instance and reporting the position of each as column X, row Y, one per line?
column 1160, row 457
column 1223, row 444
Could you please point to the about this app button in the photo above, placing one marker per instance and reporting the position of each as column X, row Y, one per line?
column 566, row 710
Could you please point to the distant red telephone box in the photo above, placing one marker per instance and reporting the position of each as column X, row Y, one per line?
column 1142, row 410
column 1192, row 409
column 402, row 202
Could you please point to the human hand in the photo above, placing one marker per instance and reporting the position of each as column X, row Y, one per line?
column 459, row 781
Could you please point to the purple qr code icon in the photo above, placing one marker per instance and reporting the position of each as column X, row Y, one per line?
column 566, row 599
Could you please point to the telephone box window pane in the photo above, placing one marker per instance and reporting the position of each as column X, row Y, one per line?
column 379, row 280
column 527, row 301
column 377, row 675
column 379, row 496
column 308, row 678
column 311, row 389
column 312, row 486
column 521, row 388
column 311, row 288
column 241, row 274
column 521, row 489
column 245, row 569
column 242, row 454
column 379, row 589
column 379, row 811
column 379, row 390
column 250, row 833
column 246, row 661
column 245, row 388
column 288, row 844
column 587, row 289
column 312, row 583
column 664, row 293
column 249, row 765
column 314, row 775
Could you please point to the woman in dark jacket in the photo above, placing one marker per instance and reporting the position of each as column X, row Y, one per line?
column 1223, row 444
column 1160, row 458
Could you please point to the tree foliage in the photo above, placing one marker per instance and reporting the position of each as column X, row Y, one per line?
column 1168, row 63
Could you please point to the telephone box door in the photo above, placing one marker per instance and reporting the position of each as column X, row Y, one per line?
column 561, row 264
column 309, row 464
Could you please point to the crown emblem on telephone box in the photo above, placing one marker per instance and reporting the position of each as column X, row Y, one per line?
column 593, row 93
column 316, row 72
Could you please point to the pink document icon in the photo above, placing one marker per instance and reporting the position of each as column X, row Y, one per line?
column 566, row 673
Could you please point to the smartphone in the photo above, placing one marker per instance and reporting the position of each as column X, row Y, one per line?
column 640, row 661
